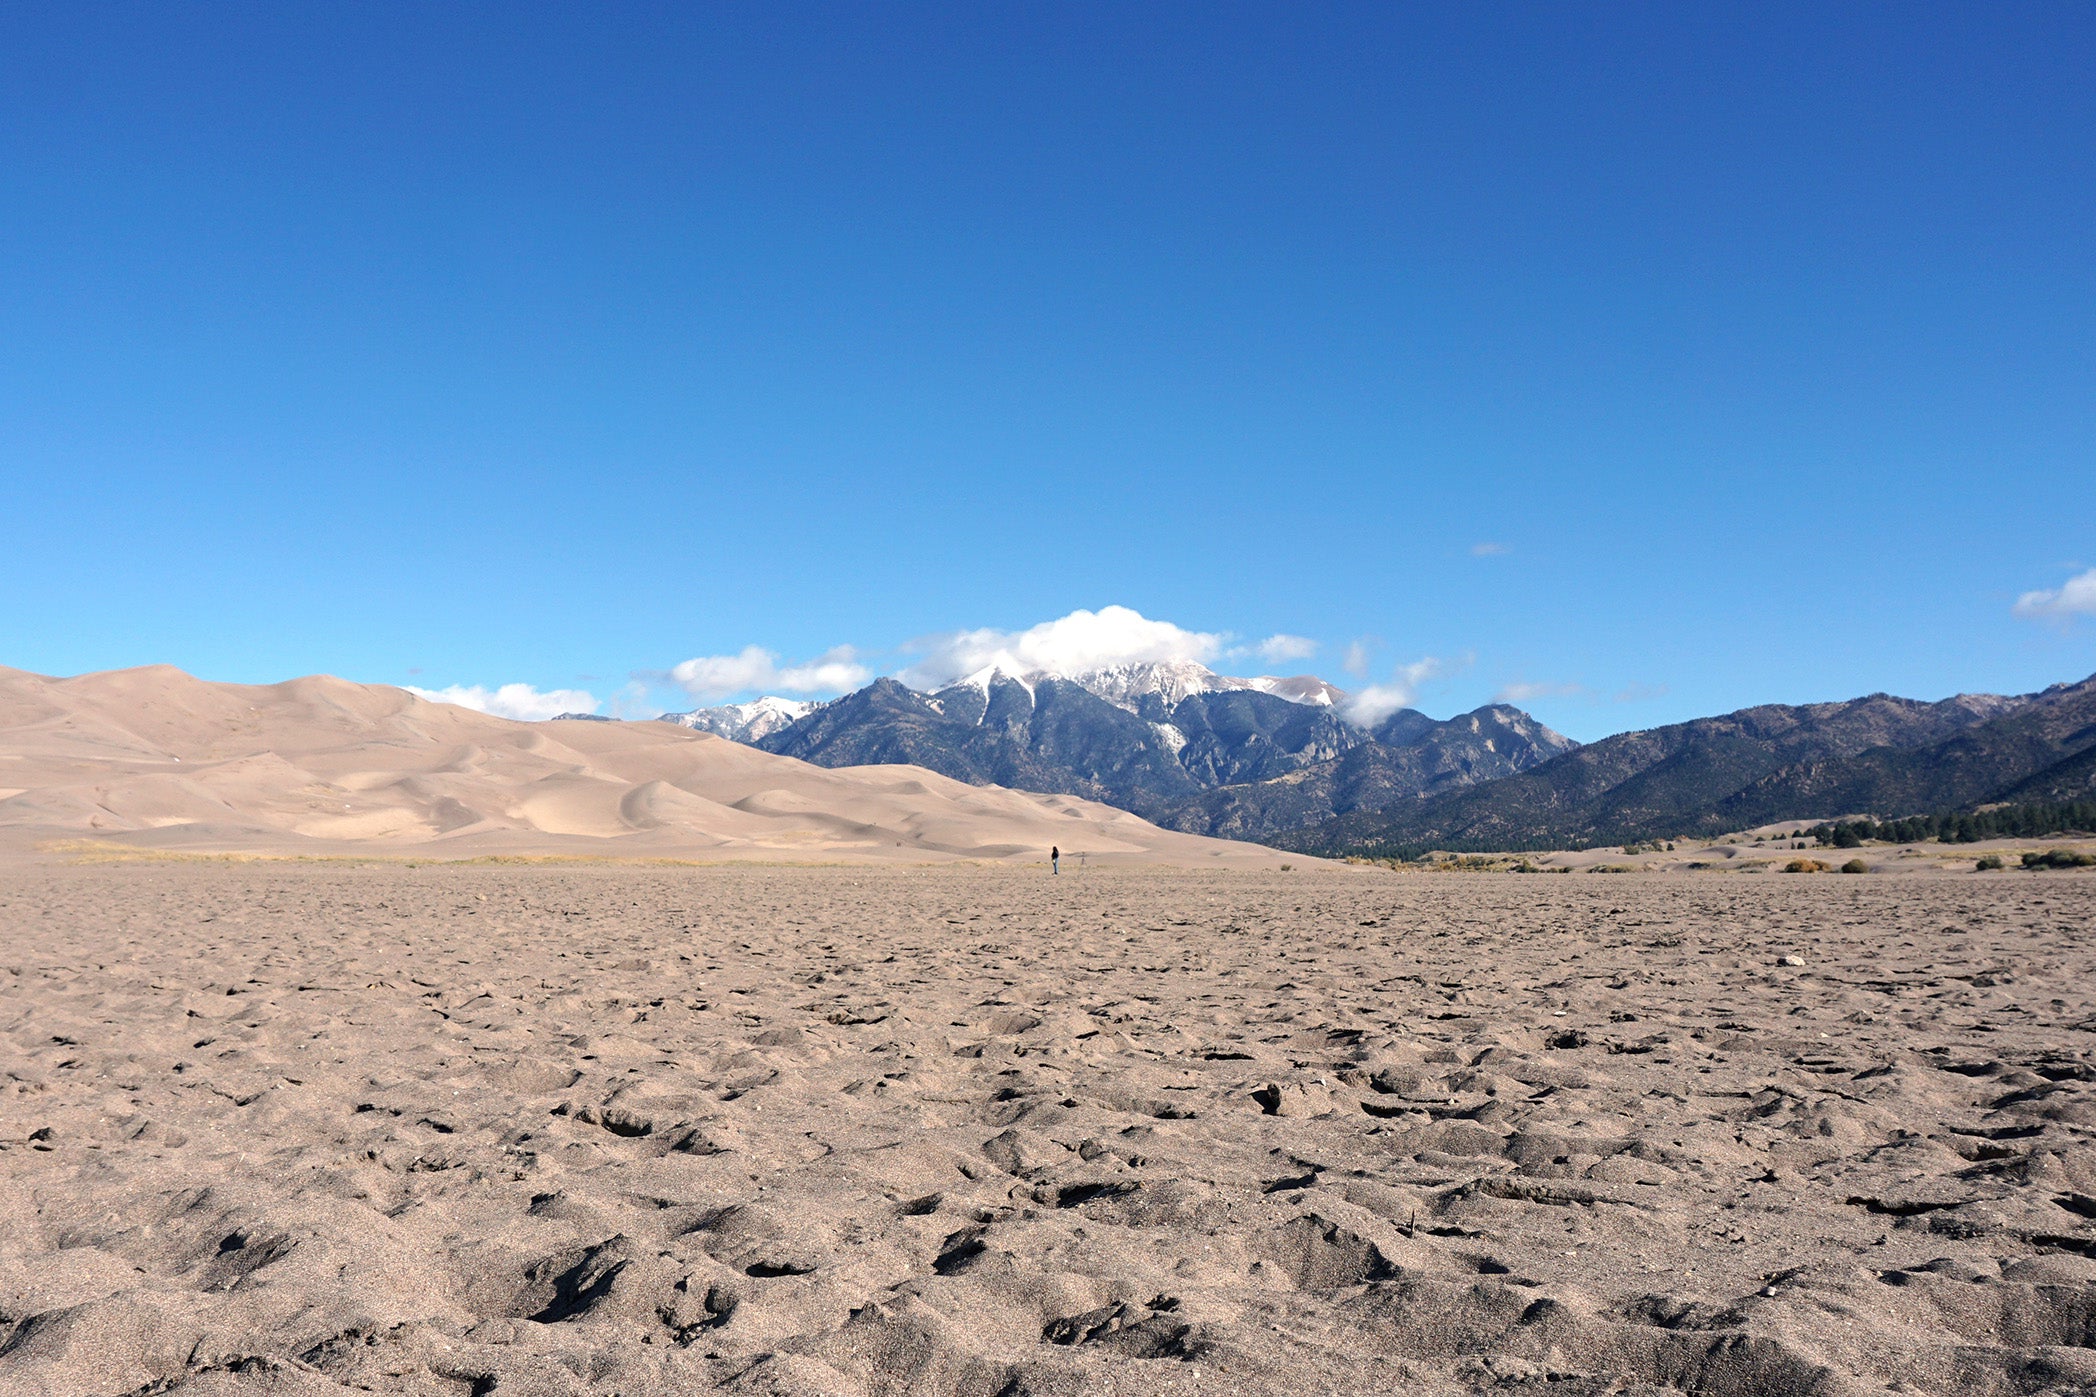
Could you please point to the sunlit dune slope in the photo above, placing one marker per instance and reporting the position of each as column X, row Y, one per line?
column 155, row 757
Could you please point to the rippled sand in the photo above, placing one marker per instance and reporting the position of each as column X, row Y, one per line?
column 310, row 1128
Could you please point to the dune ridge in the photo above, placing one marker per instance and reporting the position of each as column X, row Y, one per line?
column 154, row 758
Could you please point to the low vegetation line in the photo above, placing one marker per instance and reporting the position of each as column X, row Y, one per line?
column 2001, row 822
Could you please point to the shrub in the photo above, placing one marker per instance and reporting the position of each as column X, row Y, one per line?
column 2059, row 858
column 1804, row 866
column 1988, row 862
column 1855, row 866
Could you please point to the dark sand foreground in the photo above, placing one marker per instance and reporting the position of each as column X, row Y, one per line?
column 468, row 1130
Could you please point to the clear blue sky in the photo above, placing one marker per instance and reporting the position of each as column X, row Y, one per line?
column 558, row 344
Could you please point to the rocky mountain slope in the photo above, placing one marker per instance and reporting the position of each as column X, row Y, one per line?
column 1408, row 756
column 1878, row 755
column 1176, row 744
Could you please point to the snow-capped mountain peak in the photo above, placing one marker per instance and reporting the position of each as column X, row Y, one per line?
column 1170, row 680
column 1299, row 688
column 745, row 722
column 1125, row 686
column 1173, row 680
column 967, row 699
column 983, row 678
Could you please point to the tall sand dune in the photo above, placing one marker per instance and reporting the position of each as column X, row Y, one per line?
column 156, row 758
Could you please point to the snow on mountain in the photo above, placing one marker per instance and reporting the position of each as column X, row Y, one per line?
column 1170, row 680
column 1299, row 688
column 968, row 699
column 1173, row 680
column 745, row 722
column 982, row 679
column 1126, row 686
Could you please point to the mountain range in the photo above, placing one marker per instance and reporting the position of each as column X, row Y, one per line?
column 1879, row 755
column 1176, row 743
column 1294, row 762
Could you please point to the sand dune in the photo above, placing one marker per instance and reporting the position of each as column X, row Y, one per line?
column 156, row 758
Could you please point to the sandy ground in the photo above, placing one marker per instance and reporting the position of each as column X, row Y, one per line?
column 284, row 1128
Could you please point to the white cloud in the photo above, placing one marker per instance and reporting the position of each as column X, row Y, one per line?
column 833, row 671
column 1356, row 661
column 633, row 700
column 716, row 676
column 1372, row 705
column 710, row 677
column 1284, row 648
column 1075, row 644
column 1487, row 550
column 1519, row 692
column 519, row 701
column 2074, row 597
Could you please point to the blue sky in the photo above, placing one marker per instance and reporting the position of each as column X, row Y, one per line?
column 1638, row 361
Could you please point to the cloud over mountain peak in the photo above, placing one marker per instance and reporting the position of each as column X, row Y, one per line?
column 1079, row 643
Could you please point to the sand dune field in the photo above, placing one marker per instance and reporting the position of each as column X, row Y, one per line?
column 153, row 758
column 312, row 1129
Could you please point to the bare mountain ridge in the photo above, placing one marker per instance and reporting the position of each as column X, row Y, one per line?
column 1878, row 755
column 1411, row 756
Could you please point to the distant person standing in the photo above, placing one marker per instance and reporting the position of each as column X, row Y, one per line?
column 1055, row 859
